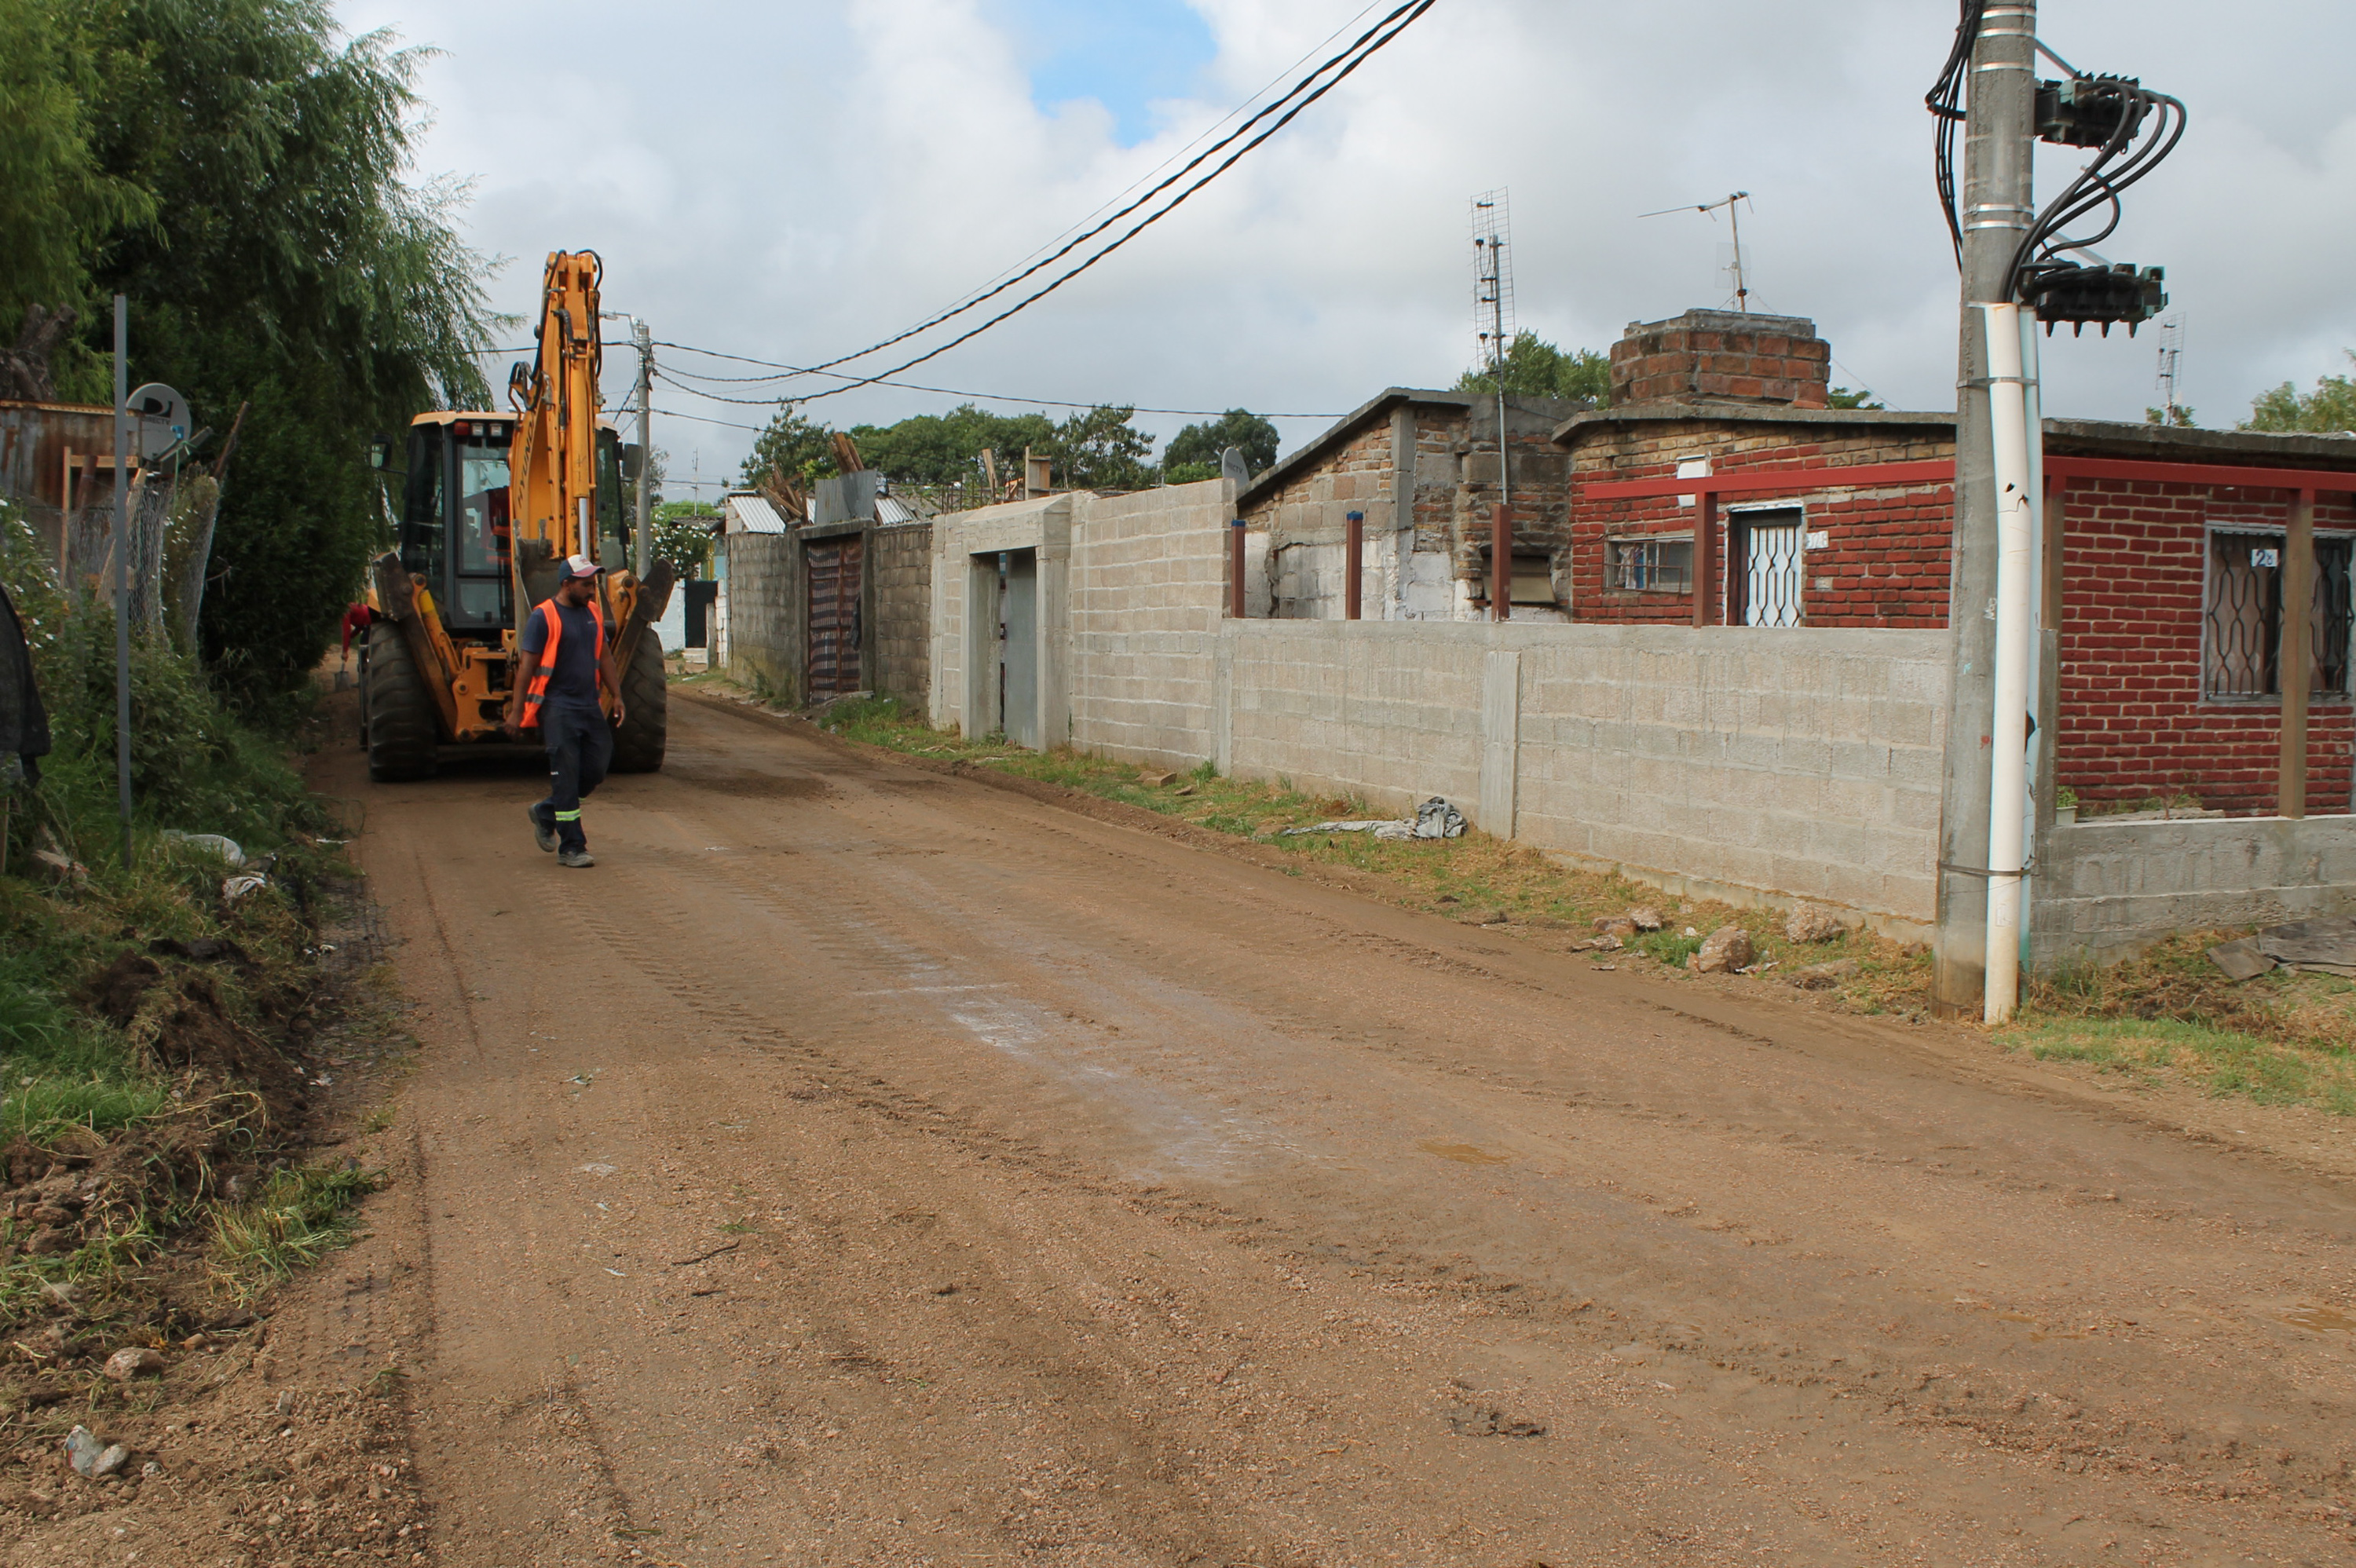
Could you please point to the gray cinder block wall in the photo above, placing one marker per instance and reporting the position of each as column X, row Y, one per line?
column 2107, row 890
column 762, row 631
column 898, row 655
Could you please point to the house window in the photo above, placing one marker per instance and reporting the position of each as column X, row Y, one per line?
column 1651, row 565
column 2243, row 626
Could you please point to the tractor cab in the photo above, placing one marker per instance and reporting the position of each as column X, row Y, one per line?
column 454, row 529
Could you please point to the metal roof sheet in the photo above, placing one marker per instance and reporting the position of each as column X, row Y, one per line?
column 752, row 514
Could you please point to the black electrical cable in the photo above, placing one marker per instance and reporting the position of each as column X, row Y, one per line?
column 666, row 374
column 2098, row 185
column 1944, row 101
column 1189, row 166
column 1414, row 13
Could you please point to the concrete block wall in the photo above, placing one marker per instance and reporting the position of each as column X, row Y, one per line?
column 2107, row 890
column 762, row 631
column 1149, row 594
column 900, row 586
column 1782, row 763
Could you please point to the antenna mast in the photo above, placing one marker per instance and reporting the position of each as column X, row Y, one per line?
column 2172, row 359
column 1734, row 216
column 1493, row 307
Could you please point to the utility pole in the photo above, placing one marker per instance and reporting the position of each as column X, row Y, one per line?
column 1999, row 139
column 644, row 552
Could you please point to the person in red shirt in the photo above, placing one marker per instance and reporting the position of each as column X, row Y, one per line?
column 358, row 619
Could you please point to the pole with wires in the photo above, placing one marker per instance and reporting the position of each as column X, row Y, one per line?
column 644, row 553
column 1995, row 55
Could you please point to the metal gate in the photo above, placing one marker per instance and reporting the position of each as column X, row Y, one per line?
column 834, row 570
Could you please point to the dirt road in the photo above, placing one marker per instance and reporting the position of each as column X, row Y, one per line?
column 862, row 1164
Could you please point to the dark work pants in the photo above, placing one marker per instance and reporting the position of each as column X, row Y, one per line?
column 580, row 746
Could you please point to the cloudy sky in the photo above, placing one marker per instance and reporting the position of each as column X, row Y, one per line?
column 791, row 181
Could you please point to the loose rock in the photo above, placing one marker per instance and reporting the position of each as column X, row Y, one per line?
column 133, row 1362
column 1618, row 925
column 1810, row 923
column 1727, row 948
column 1645, row 917
column 1823, row 976
column 82, row 1450
column 108, row 1462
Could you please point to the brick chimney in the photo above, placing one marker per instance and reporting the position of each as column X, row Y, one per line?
column 1722, row 355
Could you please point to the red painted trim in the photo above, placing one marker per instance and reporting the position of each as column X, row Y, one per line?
column 2200, row 473
column 1941, row 471
column 1855, row 476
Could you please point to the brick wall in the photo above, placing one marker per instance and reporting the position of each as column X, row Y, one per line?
column 2133, row 719
column 1723, row 355
column 1884, row 560
column 1427, row 561
column 898, row 659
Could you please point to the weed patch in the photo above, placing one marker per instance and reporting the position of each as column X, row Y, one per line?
column 300, row 1217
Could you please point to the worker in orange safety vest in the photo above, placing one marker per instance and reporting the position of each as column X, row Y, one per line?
column 561, row 658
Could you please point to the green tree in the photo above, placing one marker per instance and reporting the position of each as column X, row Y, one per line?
column 1194, row 452
column 56, row 203
column 798, row 448
column 1848, row 397
column 946, row 449
column 1536, row 369
column 2331, row 407
column 683, row 536
column 1100, row 449
column 2174, row 414
column 234, row 168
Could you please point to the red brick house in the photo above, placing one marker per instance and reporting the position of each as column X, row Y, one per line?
column 1719, row 489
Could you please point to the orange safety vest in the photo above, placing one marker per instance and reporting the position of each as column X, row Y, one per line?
column 537, row 692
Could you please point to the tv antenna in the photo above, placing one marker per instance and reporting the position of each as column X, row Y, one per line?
column 2171, row 360
column 1493, row 307
column 1732, row 203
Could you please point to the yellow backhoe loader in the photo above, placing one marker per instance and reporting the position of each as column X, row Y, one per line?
column 490, row 506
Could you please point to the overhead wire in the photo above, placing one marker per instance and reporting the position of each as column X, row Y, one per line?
column 1409, row 15
column 977, row 296
column 666, row 373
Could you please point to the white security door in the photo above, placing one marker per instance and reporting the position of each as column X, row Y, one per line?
column 1774, row 552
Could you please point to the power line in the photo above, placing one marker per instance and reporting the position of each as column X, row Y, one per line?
column 668, row 376
column 1192, row 163
column 1409, row 12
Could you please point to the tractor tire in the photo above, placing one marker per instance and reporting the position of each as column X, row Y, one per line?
column 401, row 723
column 646, row 700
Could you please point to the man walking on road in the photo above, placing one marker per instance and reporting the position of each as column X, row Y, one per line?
column 562, row 657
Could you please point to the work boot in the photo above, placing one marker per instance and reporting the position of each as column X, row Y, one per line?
column 579, row 859
column 542, row 834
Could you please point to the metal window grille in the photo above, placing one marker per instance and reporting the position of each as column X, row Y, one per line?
column 1767, row 554
column 2243, row 625
column 1649, row 565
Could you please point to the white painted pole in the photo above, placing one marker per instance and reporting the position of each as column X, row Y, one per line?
column 2009, row 724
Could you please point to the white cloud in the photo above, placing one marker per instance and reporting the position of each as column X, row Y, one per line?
column 792, row 180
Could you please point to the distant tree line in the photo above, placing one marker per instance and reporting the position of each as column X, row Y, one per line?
column 1098, row 449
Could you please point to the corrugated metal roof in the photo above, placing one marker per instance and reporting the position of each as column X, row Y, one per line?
column 752, row 514
column 890, row 509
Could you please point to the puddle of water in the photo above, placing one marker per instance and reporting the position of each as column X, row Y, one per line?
column 2321, row 1319
column 1462, row 1154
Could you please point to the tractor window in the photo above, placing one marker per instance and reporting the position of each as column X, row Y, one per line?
column 612, row 540
column 482, row 508
column 421, row 511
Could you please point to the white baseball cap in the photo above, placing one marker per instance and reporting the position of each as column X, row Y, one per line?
column 580, row 566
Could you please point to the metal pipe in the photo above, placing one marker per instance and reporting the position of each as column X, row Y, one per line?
column 2294, row 665
column 1501, row 562
column 1236, row 569
column 1354, row 561
column 586, row 533
column 123, row 567
column 2008, row 720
